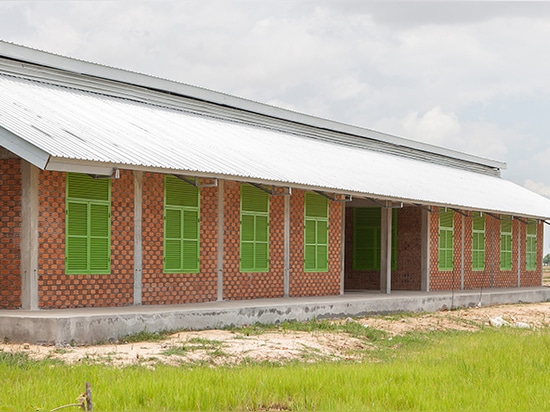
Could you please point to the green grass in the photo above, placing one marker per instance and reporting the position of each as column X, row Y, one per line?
column 211, row 346
column 490, row 370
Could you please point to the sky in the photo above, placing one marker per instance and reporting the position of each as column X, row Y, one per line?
column 469, row 76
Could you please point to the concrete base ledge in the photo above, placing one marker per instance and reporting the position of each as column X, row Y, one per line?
column 92, row 325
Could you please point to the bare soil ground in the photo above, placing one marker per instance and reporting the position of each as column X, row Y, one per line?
column 225, row 347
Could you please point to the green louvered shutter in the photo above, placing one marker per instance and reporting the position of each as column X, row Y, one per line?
column 366, row 242
column 478, row 241
column 394, row 240
column 77, row 238
column 446, row 241
column 531, row 245
column 367, row 238
column 315, row 233
column 88, row 225
column 254, row 229
column 181, row 226
column 506, row 243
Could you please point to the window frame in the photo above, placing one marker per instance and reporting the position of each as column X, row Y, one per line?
column 73, row 201
column 184, row 210
column 478, row 242
column 445, row 249
column 320, row 226
column 254, row 238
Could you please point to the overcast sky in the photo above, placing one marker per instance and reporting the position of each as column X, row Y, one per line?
column 471, row 76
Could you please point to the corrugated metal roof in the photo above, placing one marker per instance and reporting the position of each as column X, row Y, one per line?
column 83, row 75
column 71, row 124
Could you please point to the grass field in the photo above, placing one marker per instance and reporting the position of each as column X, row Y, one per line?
column 491, row 370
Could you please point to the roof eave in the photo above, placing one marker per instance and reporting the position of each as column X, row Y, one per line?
column 23, row 149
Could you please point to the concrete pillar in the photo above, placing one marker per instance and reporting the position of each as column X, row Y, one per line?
column 520, row 226
column 29, row 236
column 221, row 196
column 342, row 248
column 385, row 250
column 138, row 245
column 462, row 268
column 425, row 251
column 286, row 247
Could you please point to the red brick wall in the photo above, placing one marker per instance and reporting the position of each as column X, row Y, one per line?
column 313, row 283
column 407, row 276
column 175, row 288
column 59, row 290
column 240, row 286
column 533, row 277
column 10, row 232
column 492, row 276
column 409, row 230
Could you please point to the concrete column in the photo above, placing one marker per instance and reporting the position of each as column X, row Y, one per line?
column 221, row 196
column 520, row 225
column 425, row 251
column 138, row 245
column 29, row 236
column 286, row 247
column 385, row 250
column 343, row 248
column 462, row 253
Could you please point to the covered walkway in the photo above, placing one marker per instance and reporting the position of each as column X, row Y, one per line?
column 91, row 325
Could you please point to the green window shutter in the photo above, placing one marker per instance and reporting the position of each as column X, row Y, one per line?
column 254, row 229
column 478, row 241
column 172, row 239
column 315, row 233
column 367, row 238
column 506, row 243
column 446, row 241
column 394, row 240
column 100, row 245
column 531, row 245
column 181, row 226
column 88, row 225
column 366, row 242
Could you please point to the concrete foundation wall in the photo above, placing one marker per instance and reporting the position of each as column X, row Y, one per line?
column 86, row 326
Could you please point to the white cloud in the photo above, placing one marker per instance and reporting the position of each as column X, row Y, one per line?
column 435, row 126
column 538, row 187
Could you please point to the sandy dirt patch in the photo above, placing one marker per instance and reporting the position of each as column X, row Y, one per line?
column 224, row 347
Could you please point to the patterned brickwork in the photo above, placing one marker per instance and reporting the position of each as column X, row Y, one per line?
column 312, row 283
column 58, row 290
column 407, row 275
column 239, row 285
column 175, row 288
column 533, row 277
column 491, row 276
column 10, row 231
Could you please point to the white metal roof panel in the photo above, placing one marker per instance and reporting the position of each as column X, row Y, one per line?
column 71, row 125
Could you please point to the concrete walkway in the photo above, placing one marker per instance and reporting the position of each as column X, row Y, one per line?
column 91, row 325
